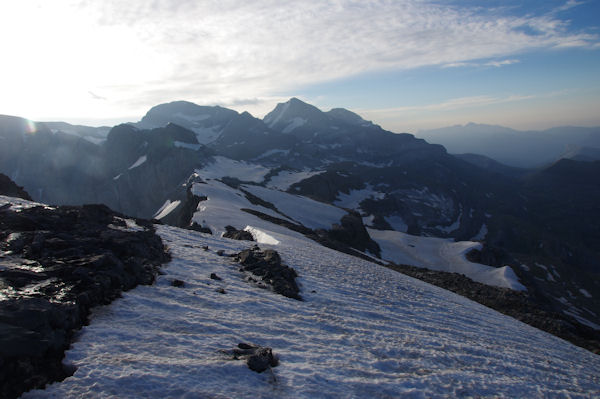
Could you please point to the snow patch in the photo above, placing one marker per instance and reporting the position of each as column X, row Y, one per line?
column 482, row 233
column 191, row 118
column 454, row 226
column 130, row 225
column 353, row 199
column 368, row 220
column 206, row 135
column 272, row 152
column 225, row 167
column 308, row 212
column 189, row 146
column 16, row 204
column 137, row 163
column 261, row 237
column 273, row 119
column 294, row 124
column 167, row 208
column 224, row 205
column 397, row 223
column 441, row 254
column 285, row 179
column 585, row 293
column 581, row 319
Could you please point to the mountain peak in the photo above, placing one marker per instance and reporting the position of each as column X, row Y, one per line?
column 293, row 114
column 186, row 114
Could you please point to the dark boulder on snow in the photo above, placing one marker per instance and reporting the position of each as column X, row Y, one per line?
column 55, row 265
column 266, row 265
column 258, row 358
column 236, row 234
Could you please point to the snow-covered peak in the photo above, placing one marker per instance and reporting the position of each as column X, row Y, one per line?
column 292, row 114
column 205, row 121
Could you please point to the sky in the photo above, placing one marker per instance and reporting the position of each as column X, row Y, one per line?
column 406, row 65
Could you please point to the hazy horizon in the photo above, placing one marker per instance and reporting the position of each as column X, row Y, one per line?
column 405, row 65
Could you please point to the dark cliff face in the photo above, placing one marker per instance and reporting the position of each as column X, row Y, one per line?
column 131, row 172
column 10, row 189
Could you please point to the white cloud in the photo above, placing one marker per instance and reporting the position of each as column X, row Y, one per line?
column 138, row 53
column 493, row 63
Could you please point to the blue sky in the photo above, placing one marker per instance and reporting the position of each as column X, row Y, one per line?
column 406, row 65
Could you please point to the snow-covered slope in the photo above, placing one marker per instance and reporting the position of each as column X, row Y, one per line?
column 223, row 207
column 225, row 167
column 308, row 212
column 362, row 331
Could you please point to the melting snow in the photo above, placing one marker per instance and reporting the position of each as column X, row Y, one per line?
column 362, row 331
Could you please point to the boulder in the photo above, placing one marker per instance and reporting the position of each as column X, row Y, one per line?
column 267, row 267
column 258, row 358
column 236, row 234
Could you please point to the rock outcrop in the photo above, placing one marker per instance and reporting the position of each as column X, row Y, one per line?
column 266, row 265
column 258, row 358
column 235, row 234
column 56, row 264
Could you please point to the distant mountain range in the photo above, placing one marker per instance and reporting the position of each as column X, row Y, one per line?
column 522, row 149
column 542, row 223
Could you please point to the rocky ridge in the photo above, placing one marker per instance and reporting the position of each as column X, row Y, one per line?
column 56, row 264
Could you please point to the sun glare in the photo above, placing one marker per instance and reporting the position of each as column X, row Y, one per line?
column 65, row 61
column 31, row 127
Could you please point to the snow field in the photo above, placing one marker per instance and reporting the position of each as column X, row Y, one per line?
column 284, row 179
column 361, row 331
column 222, row 167
column 441, row 254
